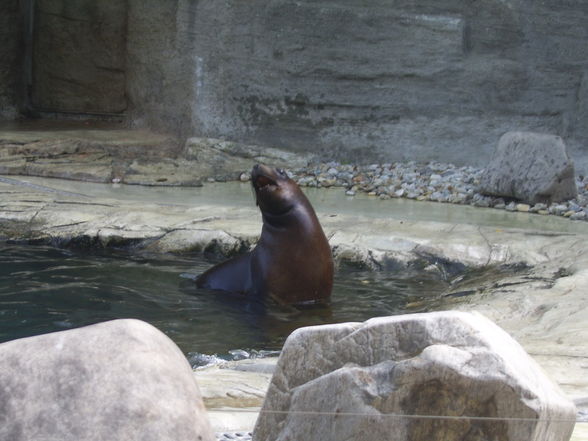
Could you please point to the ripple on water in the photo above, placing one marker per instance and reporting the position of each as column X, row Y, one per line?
column 45, row 289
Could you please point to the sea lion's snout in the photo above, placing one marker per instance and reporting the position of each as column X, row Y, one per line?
column 263, row 181
column 260, row 169
column 263, row 177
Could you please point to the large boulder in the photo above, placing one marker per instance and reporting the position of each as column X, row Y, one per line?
column 119, row 380
column 531, row 167
column 439, row 376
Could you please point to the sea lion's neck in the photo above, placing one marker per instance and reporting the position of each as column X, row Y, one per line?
column 300, row 216
column 282, row 220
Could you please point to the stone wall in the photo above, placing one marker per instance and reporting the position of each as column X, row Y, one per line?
column 79, row 56
column 356, row 80
column 11, row 30
column 437, row 79
column 158, row 67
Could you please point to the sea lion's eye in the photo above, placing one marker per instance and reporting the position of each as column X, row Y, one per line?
column 281, row 171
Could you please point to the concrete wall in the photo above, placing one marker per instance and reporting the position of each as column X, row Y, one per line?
column 364, row 79
column 11, row 47
column 79, row 56
column 356, row 79
column 158, row 67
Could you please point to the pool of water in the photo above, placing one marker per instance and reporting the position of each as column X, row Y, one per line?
column 44, row 289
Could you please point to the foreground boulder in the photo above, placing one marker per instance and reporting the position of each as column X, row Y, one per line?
column 531, row 167
column 359, row 381
column 119, row 380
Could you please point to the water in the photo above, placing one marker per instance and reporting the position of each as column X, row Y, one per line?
column 44, row 289
column 331, row 201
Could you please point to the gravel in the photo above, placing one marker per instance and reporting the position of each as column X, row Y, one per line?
column 434, row 181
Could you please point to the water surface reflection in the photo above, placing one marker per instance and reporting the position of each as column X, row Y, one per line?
column 43, row 289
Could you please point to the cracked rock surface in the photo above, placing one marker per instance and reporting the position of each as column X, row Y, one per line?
column 347, row 381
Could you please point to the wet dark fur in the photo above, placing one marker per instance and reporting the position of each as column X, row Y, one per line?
column 292, row 262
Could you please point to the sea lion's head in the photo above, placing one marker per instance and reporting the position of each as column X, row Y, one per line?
column 275, row 192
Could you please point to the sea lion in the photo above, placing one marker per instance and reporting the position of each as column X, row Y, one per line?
column 292, row 261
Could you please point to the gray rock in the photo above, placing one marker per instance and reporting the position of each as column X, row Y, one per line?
column 92, row 155
column 538, row 207
column 231, row 157
column 440, row 196
column 580, row 215
column 121, row 380
column 189, row 241
column 558, row 209
column 457, row 198
column 356, row 381
column 165, row 172
column 531, row 167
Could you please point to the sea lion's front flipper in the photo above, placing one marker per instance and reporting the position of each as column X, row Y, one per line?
column 233, row 275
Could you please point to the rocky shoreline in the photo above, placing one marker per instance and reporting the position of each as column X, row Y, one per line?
column 545, row 310
column 145, row 158
column 434, row 181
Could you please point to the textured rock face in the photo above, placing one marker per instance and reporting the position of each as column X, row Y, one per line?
column 132, row 156
column 161, row 64
column 531, row 167
column 357, row 80
column 343, row 379
column 10, row 57
column 79, row 56
column 231, row 158
column 426, row 80
column 119, row 380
